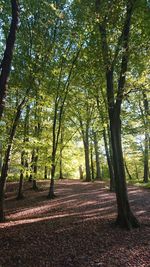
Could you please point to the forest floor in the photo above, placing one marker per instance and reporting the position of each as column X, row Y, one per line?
column 73, row 230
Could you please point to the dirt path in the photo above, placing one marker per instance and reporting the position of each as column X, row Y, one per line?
column 74, row 229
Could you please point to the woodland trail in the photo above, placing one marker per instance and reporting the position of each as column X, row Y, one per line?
column 73, row 230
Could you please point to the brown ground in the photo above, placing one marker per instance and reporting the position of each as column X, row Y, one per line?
column 73, row 230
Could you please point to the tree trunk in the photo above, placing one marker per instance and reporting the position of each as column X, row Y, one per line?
column 92, row 164
column 87, row 154
column 87, row 161
column 26, row 139
column 4, row 170
column 27, row 167
column 61, row 155
column 98, row 171
column 34, row 183
column 20, row 190
column 2, row 184
column 24, row 155
column 109, row 162
column 127, row 170
column 125, row 217
column 136, row 171
column 81, row 172
column 1, row 156
column 45, row 172
column 112, row 181
column 60, row 171
column 5, row 65
column 146, row 145
column 51, row 194
column 60, row 165
column 55, row 137
column 31, row 167
column 146, row 155
column 30, row 178
column 2, row 214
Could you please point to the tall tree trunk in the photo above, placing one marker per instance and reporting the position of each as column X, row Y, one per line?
column 125, row 216
column 109, row 162
column 87, row 163
column 87, row 154
column 26, row 139
column 31, row 166
column 35, row 168
column 146, row 156
column 60, row 168
column 55, row 139
column 92, row 164
column 0, row 156
column 81, row 172
column 136, row 172
column 98, row 171
column 127, row 170
column 147, row 144
column 45, row 173
column 4, row 170
column 87, row 160
column 24, row 162
column 27, row 167
column 51, row 194
column 20, row 190
column 61, row 156
column 5, row 65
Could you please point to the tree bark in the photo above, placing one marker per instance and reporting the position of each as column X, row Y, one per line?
column 146, row 156
column 146, row 142
column 109, row 162
column 27, row 167
column 20, row 190
column 8, row 54
column 4, row 170
column 136, row 172
column 92, row 165
column 98, row 171
column 125, row 217
column 24, row 161
column 60, row 171
column 26, row 139
column 51, row 194
column 87, row 153
column 127, row 170
column 31, row 167
column 61, row 156
column 81, row 172
column 0, row 156
column 35, row 168
column 45, row 173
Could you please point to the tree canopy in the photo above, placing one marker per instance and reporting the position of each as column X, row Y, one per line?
column 74, row 94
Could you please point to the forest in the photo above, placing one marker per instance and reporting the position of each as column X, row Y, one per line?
column 74, row 133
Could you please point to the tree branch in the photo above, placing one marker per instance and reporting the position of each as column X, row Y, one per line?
column 8, row 54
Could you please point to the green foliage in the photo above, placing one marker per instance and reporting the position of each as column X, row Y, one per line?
column 58, row 56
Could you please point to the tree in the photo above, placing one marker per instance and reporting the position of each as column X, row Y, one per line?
column 145, row 117
column 5, row 66
column 60, row 98
column 4, row 170
column 125, row 216
column 98, row 171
